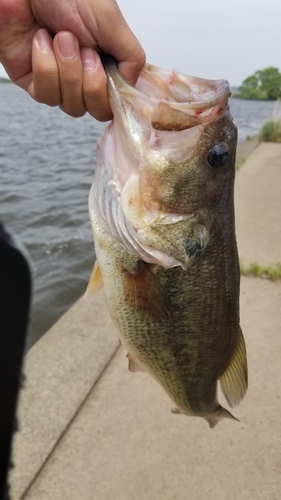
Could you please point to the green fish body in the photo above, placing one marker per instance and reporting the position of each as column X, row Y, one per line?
column 162, row 212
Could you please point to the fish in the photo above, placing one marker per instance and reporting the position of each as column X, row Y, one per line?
column 162, row 212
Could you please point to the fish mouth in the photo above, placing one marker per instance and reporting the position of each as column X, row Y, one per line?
column 172, row 101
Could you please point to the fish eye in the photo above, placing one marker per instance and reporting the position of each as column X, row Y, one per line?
column 218, row 156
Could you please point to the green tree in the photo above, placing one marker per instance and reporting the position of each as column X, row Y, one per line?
column 270, row 81
column 264, row 84
column 252, row 82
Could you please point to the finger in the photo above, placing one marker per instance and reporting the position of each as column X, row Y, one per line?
column 130, row 69
column 124, row 45
column 130, row 56
column 95, row 85
column 66, row 48
column 45, row 85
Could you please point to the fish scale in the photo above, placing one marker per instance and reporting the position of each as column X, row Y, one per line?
column 169, row 263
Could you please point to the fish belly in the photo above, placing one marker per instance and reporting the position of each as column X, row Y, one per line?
column 177, row 325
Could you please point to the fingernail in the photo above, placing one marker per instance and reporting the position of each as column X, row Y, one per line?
column 89, row 59
column 68, row 45
column 43, row 40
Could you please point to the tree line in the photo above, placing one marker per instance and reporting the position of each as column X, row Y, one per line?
column 263, row 84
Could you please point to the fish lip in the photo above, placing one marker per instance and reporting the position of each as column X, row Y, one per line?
column 189, row 91
column 222, row 95
column 194, row 84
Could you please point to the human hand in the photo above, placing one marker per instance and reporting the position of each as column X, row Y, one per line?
column 67, row 70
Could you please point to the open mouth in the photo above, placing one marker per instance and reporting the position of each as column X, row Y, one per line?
column 183, row 101
column 172, row 101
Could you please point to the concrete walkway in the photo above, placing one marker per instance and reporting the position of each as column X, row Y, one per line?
column 92, row 430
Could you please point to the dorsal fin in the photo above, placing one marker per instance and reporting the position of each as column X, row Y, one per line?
column 234, row 380
column 95, row 281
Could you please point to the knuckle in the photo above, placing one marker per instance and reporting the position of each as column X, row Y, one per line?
column 72, row 80
column 78, row 114
column 102, row 115
column 46, row 99
column 96, row 101
column 75, row 113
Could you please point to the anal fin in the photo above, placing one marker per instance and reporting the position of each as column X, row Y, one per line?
column 95, row 282
column 234, row 380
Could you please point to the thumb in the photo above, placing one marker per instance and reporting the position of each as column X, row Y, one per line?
column 116, row 38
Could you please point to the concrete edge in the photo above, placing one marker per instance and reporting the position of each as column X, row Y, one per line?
column 61, row 369
column 244, row 150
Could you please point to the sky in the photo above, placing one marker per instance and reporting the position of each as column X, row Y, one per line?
column 207, row 38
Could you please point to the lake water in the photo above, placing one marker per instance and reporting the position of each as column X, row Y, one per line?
column 47, row 164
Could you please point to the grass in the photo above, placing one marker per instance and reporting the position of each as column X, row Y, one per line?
column 271, row 131
column 257, row 270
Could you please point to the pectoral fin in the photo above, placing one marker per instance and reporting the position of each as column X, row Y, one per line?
column 95, row 282
column 234, row 380
column 144, row 292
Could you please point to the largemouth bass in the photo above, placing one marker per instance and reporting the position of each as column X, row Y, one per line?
column 162, row 212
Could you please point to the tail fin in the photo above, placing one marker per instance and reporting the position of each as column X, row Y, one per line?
column 221, row 413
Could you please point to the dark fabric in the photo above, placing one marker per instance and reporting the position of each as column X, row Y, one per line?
column 15, row 295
